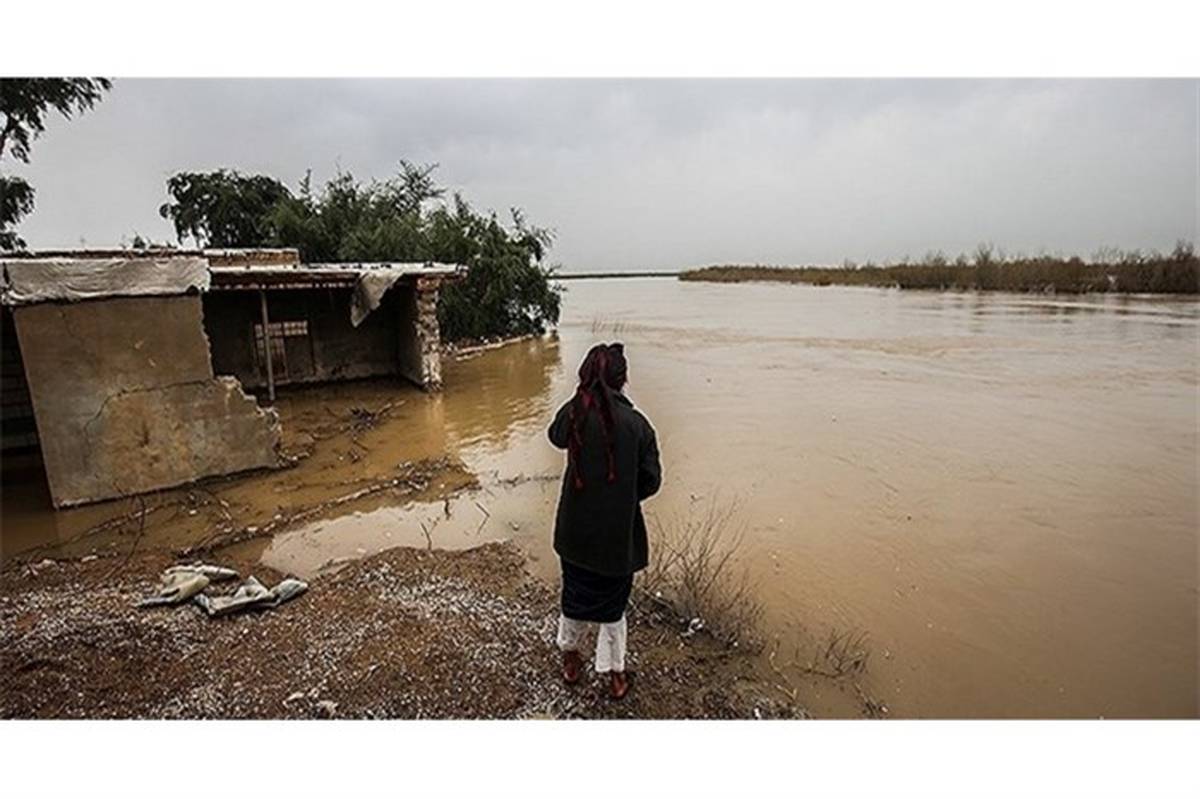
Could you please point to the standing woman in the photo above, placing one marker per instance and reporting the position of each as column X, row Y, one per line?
column 599, row 532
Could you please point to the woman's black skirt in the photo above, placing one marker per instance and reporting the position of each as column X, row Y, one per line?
column 588, row 596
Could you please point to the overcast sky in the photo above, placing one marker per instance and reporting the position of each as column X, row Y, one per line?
column 669, row 174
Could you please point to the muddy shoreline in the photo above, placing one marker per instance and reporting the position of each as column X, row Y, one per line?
column 403, row 634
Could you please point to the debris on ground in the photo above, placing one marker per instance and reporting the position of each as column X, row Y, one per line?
column 176, row 588
column 362, row 419
column 251, row 595
column 215, row 574
column 181, row 583
column 406, row 633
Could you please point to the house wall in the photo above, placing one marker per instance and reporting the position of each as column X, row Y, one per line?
column 126, row 402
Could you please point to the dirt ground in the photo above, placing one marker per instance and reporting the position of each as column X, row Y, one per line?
column 406, row 633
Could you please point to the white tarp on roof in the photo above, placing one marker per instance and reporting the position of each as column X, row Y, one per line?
column 32, row 280
column 375, row 279
column 369, row 291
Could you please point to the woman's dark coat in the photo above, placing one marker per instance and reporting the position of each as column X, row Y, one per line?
column 600, row 526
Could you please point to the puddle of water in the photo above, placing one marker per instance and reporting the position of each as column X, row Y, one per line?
column 461, row 522
column 503, row 397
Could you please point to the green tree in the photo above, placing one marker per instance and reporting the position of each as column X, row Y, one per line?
column 508, row 290
column 24, row 104
column 222, row 208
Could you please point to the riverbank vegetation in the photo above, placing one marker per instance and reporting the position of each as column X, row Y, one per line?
column 985, row 270
column 508, row 290
column 695, row 575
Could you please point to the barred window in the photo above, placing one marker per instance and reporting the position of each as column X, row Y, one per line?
column 297, row 327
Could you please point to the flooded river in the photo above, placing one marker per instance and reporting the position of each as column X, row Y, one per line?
column 1001, row 491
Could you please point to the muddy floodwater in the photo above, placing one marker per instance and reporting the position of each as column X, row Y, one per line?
column 1001, row 491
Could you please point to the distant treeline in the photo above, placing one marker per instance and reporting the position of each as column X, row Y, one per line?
column 1132, row 272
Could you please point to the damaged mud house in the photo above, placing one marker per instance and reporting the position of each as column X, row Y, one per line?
column 130, row 370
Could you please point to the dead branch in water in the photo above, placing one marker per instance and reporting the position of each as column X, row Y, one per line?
column 141, row 501
column 484, row 520
column 522, row 478
column 113, row 523
column 843, row 653
column 356, row 421
column 790, row 692
column 120, row 521
column 362, row 419
column 872, row 707
column 416, row 479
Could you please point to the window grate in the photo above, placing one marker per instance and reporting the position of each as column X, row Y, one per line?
column 297, row 327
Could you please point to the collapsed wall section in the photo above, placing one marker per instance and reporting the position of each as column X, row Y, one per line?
column 126, row 402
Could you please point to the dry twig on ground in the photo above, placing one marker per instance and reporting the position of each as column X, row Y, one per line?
column 141, row 503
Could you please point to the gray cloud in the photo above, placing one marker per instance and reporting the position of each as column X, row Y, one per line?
column 664, row 174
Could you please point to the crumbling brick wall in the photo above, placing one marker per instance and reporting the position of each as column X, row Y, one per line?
column 420, row 338
column 126, row 402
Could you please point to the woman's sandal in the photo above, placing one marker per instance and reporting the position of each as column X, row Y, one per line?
column 618, row 684
column 572, row 667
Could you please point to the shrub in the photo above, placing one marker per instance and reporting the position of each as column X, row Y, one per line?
column 693, row 574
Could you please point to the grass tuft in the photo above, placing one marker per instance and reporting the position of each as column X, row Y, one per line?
column 695, row 575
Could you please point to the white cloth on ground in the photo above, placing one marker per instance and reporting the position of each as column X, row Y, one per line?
column 610, row 641
column 176, row 587
column 179, row 583
column 251, row 594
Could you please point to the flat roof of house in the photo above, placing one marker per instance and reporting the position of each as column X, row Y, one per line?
column 333, row 275
column 47, row 275
column 32, row 280
column 226, row 256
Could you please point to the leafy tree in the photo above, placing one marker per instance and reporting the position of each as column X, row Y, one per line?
column 24, row 103
column 508, row 289
column 222, row 208
column 16, row 201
